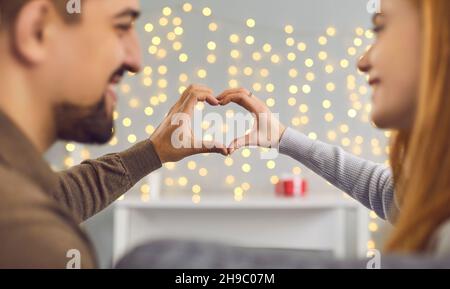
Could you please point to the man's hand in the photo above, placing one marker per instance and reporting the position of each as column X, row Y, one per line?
column 267, row 130
column 174, row 139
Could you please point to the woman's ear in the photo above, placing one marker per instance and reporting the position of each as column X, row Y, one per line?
column 29, row 31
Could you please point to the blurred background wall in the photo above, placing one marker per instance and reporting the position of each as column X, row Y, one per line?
column 299, row 56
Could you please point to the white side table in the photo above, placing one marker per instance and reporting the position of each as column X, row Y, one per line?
column 333, row 224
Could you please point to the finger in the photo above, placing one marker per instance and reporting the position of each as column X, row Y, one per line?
column 211, row 99
column 211, row 147
column 238, row 143
column 252, row 104
column 195, row 87
column 194, row 98
column 187, row 93
column 232, row 91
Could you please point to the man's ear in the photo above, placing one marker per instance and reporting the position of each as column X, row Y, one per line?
column 30, row 29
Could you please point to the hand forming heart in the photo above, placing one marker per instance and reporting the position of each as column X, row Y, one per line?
column 174, row 139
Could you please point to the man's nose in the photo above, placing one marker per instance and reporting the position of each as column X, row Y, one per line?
column 133, row 57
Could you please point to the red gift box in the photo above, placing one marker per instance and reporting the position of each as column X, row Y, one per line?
column 291, row 187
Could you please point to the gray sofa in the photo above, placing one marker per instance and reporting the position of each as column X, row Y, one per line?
column 170, row 254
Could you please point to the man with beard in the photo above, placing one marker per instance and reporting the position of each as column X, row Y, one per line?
column 58, row 72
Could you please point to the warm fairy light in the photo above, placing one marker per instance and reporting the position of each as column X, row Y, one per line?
column 177, row 21
column 203, row 172
column 270, row 102
column 303, row 108
column 228, row 161
column 246, row 168
column 322, row 55
column 312, row 135
column 211, row 58
column 162, row 53
column 292, row 101
column 293, row 73
column 289, row 29
column 132, row 138
column 274, row 180
column 264, row 72
column 148, row 27
column 235, row 53
column 163, row 21
column 293, row 89
column 211, row 45
column 149, row 111
column 196, row 189
column 126, row 122
column 249, row 40
column 296, row 170
column 275, row 58
column 251, row 23
column 167, row 11
column 213, row 27
column 306, row 89
column 147, row 70
column 357, row 42
column 301, row 46
column 187, row 7
column 245, row 186
column 178, row 31
column 330, row 86
column 290, row 41
column 248, row 71
column 230, row 180
column 331, row 31
column 322, row 40
column 234, row 38
column 344, row 63
column 329, row 117
column 232, row 70
column 156, row 40
column 149, row 129
column 329, row 68
column 270, row 165
column 207, row 11
column 183, row 57
column 351, row 51
column 309, row 62
column 70, row 147
column 177, row 46
column 201, row 73
column 310, row 76
column 256, row 56
column 326, row 104
column 267, row 48
column 182, row 181
column 270, row 87
column 246, row 153
column 291, row 56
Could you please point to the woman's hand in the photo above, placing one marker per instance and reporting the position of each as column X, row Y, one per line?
column 267, row 130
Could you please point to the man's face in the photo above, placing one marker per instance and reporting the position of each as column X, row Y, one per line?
column 92, row 57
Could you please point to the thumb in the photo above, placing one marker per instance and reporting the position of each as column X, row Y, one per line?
column 239, row 143
column 211, row 147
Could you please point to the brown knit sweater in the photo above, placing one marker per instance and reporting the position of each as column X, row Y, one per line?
column 40, row 210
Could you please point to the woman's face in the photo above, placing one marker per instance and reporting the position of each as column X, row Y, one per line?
column 393, row 64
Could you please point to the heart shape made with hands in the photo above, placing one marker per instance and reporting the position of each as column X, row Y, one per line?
column 267, row 129
column 174, row 138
